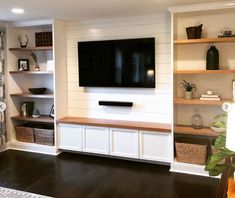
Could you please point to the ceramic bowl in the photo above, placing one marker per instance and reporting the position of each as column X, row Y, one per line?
column 218, row 130
column 40, row 90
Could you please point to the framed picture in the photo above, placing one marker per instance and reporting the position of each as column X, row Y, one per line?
column 52, row 112
column 23, row 64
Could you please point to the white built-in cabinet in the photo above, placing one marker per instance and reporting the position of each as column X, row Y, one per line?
column 96, row 139
column 155, row 146
column 65, row 140
column 130, row 143
column 124, row 143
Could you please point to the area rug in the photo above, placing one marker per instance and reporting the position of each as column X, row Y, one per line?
column 9, row 193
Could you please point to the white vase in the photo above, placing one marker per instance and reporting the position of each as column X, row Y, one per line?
column 188, row 95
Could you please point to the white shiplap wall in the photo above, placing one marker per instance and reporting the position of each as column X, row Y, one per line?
column 150, row 105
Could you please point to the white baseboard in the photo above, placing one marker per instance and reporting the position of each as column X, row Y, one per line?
column 34, row 148
column 192, row 169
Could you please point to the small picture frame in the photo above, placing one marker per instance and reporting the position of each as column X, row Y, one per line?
column 52, row 112
column 23, row 64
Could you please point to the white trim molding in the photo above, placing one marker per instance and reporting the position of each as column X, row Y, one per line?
column 202, row 7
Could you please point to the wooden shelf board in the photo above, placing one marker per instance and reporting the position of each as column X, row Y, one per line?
column 224, row 71
column 185, row 129
column 41, row 119
column 205, row 40
column 31, row 48
column 197, row 101
column 158, row 127
column 29, row 95
column 31, row 72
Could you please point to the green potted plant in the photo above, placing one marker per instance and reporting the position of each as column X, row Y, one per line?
column 216, row 162
column 189, row 88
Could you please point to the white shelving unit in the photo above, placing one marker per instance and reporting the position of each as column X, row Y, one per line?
column 189, row 63
column 19, row 82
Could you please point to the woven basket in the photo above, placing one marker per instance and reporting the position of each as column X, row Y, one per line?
column 43, row 39
column 44, row 136
column 24, row 134
column 191, row 153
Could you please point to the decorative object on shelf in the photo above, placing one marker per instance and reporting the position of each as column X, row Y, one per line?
column 189, row 88
column 210, row 96
column 36, row 113
column 23, row 41
column 226, row 33
column 39, row 90
column 36, row 68
column 194, row 32
column 27, row 108
column 52, row 113
column 219, row 125
column 212, row 59
column 43, row 39
column 197, row 121
column 23, row 65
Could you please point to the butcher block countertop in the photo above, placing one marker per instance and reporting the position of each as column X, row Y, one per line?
column 148, row 126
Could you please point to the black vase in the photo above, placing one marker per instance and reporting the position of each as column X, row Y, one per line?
column 212, row 59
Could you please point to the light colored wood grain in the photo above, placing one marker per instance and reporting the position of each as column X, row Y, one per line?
column 41, row 119
column 28, row 95
column 149, row 126
column 185, row 129
column 225, row 71
column 205, row 40
column 197, row 101
column 31, row 48
column 31, row 72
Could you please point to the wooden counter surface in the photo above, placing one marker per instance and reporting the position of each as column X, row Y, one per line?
column 148, row 126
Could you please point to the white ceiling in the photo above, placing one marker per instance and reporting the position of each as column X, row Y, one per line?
column 86, row 9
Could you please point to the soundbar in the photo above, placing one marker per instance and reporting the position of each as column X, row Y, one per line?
column 116, row 103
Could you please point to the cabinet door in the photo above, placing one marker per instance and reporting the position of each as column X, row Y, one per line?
column 124, row 143
column 96, row 139
column 70, row 137
column 155, row 146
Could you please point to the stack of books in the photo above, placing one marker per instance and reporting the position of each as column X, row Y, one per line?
column 210, row 97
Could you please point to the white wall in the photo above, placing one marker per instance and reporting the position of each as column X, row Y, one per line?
column 150, row 105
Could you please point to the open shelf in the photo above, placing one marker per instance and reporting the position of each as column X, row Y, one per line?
column 41, row 119
column 222, row 71
column 185, row 129
column 31, row 72
column 46, row 48
column 197, row 101
column 29, row 95
column 205, row 40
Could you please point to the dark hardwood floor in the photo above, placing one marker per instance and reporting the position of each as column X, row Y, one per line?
column 79, row 176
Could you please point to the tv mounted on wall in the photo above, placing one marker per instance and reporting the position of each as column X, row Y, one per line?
column 117, row 63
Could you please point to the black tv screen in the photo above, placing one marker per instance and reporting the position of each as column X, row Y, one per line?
column 117, row 63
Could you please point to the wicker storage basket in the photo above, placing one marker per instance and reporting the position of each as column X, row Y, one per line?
column 44, row 136
column 24, row 134
column 43, row 39
column 193, row 153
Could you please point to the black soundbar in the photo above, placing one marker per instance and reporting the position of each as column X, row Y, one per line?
column 116, row 103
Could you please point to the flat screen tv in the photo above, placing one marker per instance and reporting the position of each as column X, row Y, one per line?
column 117, row 63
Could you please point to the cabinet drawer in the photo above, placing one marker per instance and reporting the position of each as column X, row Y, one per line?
column 155, row 146
column 70, row 137
column 96, row 139
column 124, row 143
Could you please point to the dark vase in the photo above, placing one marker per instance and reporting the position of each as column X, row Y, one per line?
column 212, row 59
